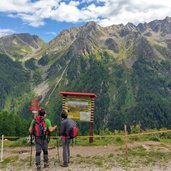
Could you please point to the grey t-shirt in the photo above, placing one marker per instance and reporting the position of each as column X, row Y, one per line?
column 66, row 125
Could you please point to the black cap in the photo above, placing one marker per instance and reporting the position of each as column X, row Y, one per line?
column 42, row 112
column 64, row 114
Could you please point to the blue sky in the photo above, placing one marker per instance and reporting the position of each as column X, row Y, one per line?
column 47, row 18
column 47, row 32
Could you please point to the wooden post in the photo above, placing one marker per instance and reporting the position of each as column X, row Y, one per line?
column 91, row 121
column 126, row 142
column 91, row 132
column 2, row 148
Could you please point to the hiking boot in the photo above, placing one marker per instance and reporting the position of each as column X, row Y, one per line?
column 64, row 165
column 46, row 165
column 38, row 167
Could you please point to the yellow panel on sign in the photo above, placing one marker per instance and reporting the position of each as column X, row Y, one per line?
column 79, row 108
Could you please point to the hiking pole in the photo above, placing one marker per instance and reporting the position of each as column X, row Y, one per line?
column 58, row 151
column 31, row 150
column 57, row 148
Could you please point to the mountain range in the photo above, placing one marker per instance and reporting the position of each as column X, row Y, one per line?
column 127, row 66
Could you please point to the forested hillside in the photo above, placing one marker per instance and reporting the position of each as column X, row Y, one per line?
column 13, row 82
column 127, row 66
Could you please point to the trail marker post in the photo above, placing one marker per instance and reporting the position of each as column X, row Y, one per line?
column 2, row 148
column 35, row 106
column 80, row 107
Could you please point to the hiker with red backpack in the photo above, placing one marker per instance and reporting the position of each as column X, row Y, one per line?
column 68, row 132
column 41, row 127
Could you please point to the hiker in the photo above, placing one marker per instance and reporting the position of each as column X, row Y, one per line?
column 41, row 127
column 66, row 125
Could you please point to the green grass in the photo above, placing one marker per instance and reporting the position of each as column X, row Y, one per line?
column 165, row 140
column 7, row 161
column 138, row 156
column 16, row 143
column 116, row 138
column 100, row 161
column 149, row 156
column 84, row 141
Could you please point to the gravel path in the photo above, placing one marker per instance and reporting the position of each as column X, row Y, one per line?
column 89, row 158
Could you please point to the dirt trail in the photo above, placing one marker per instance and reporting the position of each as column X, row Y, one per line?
column 91, row 158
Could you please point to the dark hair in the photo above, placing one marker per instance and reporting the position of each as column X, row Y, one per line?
column 42, row 112
column 64, row 114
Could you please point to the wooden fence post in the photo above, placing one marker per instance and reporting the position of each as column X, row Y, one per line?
column 126, row 142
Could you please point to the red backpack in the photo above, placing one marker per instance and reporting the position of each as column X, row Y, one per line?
column 39, row 127
column 73, row 132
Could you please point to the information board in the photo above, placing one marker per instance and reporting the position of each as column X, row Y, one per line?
column 78, row 108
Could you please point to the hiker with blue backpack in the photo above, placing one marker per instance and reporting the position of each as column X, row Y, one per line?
column 40, row 128
column 68, row 132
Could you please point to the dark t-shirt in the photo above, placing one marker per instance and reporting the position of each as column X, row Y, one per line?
column 66, row 125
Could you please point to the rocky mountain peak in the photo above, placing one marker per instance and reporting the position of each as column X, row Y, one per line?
column 130, row 26
column 20, row 45
column 22, row 39
column 168, row 19
column 93, row 25
column 64, row 39
column 157, row 26
column 142, row 27
column 90, row 28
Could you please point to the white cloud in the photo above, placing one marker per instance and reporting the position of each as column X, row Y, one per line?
column 18, row 6
column 4, row 32
column 106, row 12
column 67, row 12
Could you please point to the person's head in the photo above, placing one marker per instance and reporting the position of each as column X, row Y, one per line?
column 42, row 112
column 64, row 114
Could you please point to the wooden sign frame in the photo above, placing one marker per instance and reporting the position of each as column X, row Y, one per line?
column 81, row 95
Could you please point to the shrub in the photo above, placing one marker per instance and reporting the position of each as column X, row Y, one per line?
column 154, row 138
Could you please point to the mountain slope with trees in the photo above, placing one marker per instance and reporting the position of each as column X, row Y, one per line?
column 127, row 66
